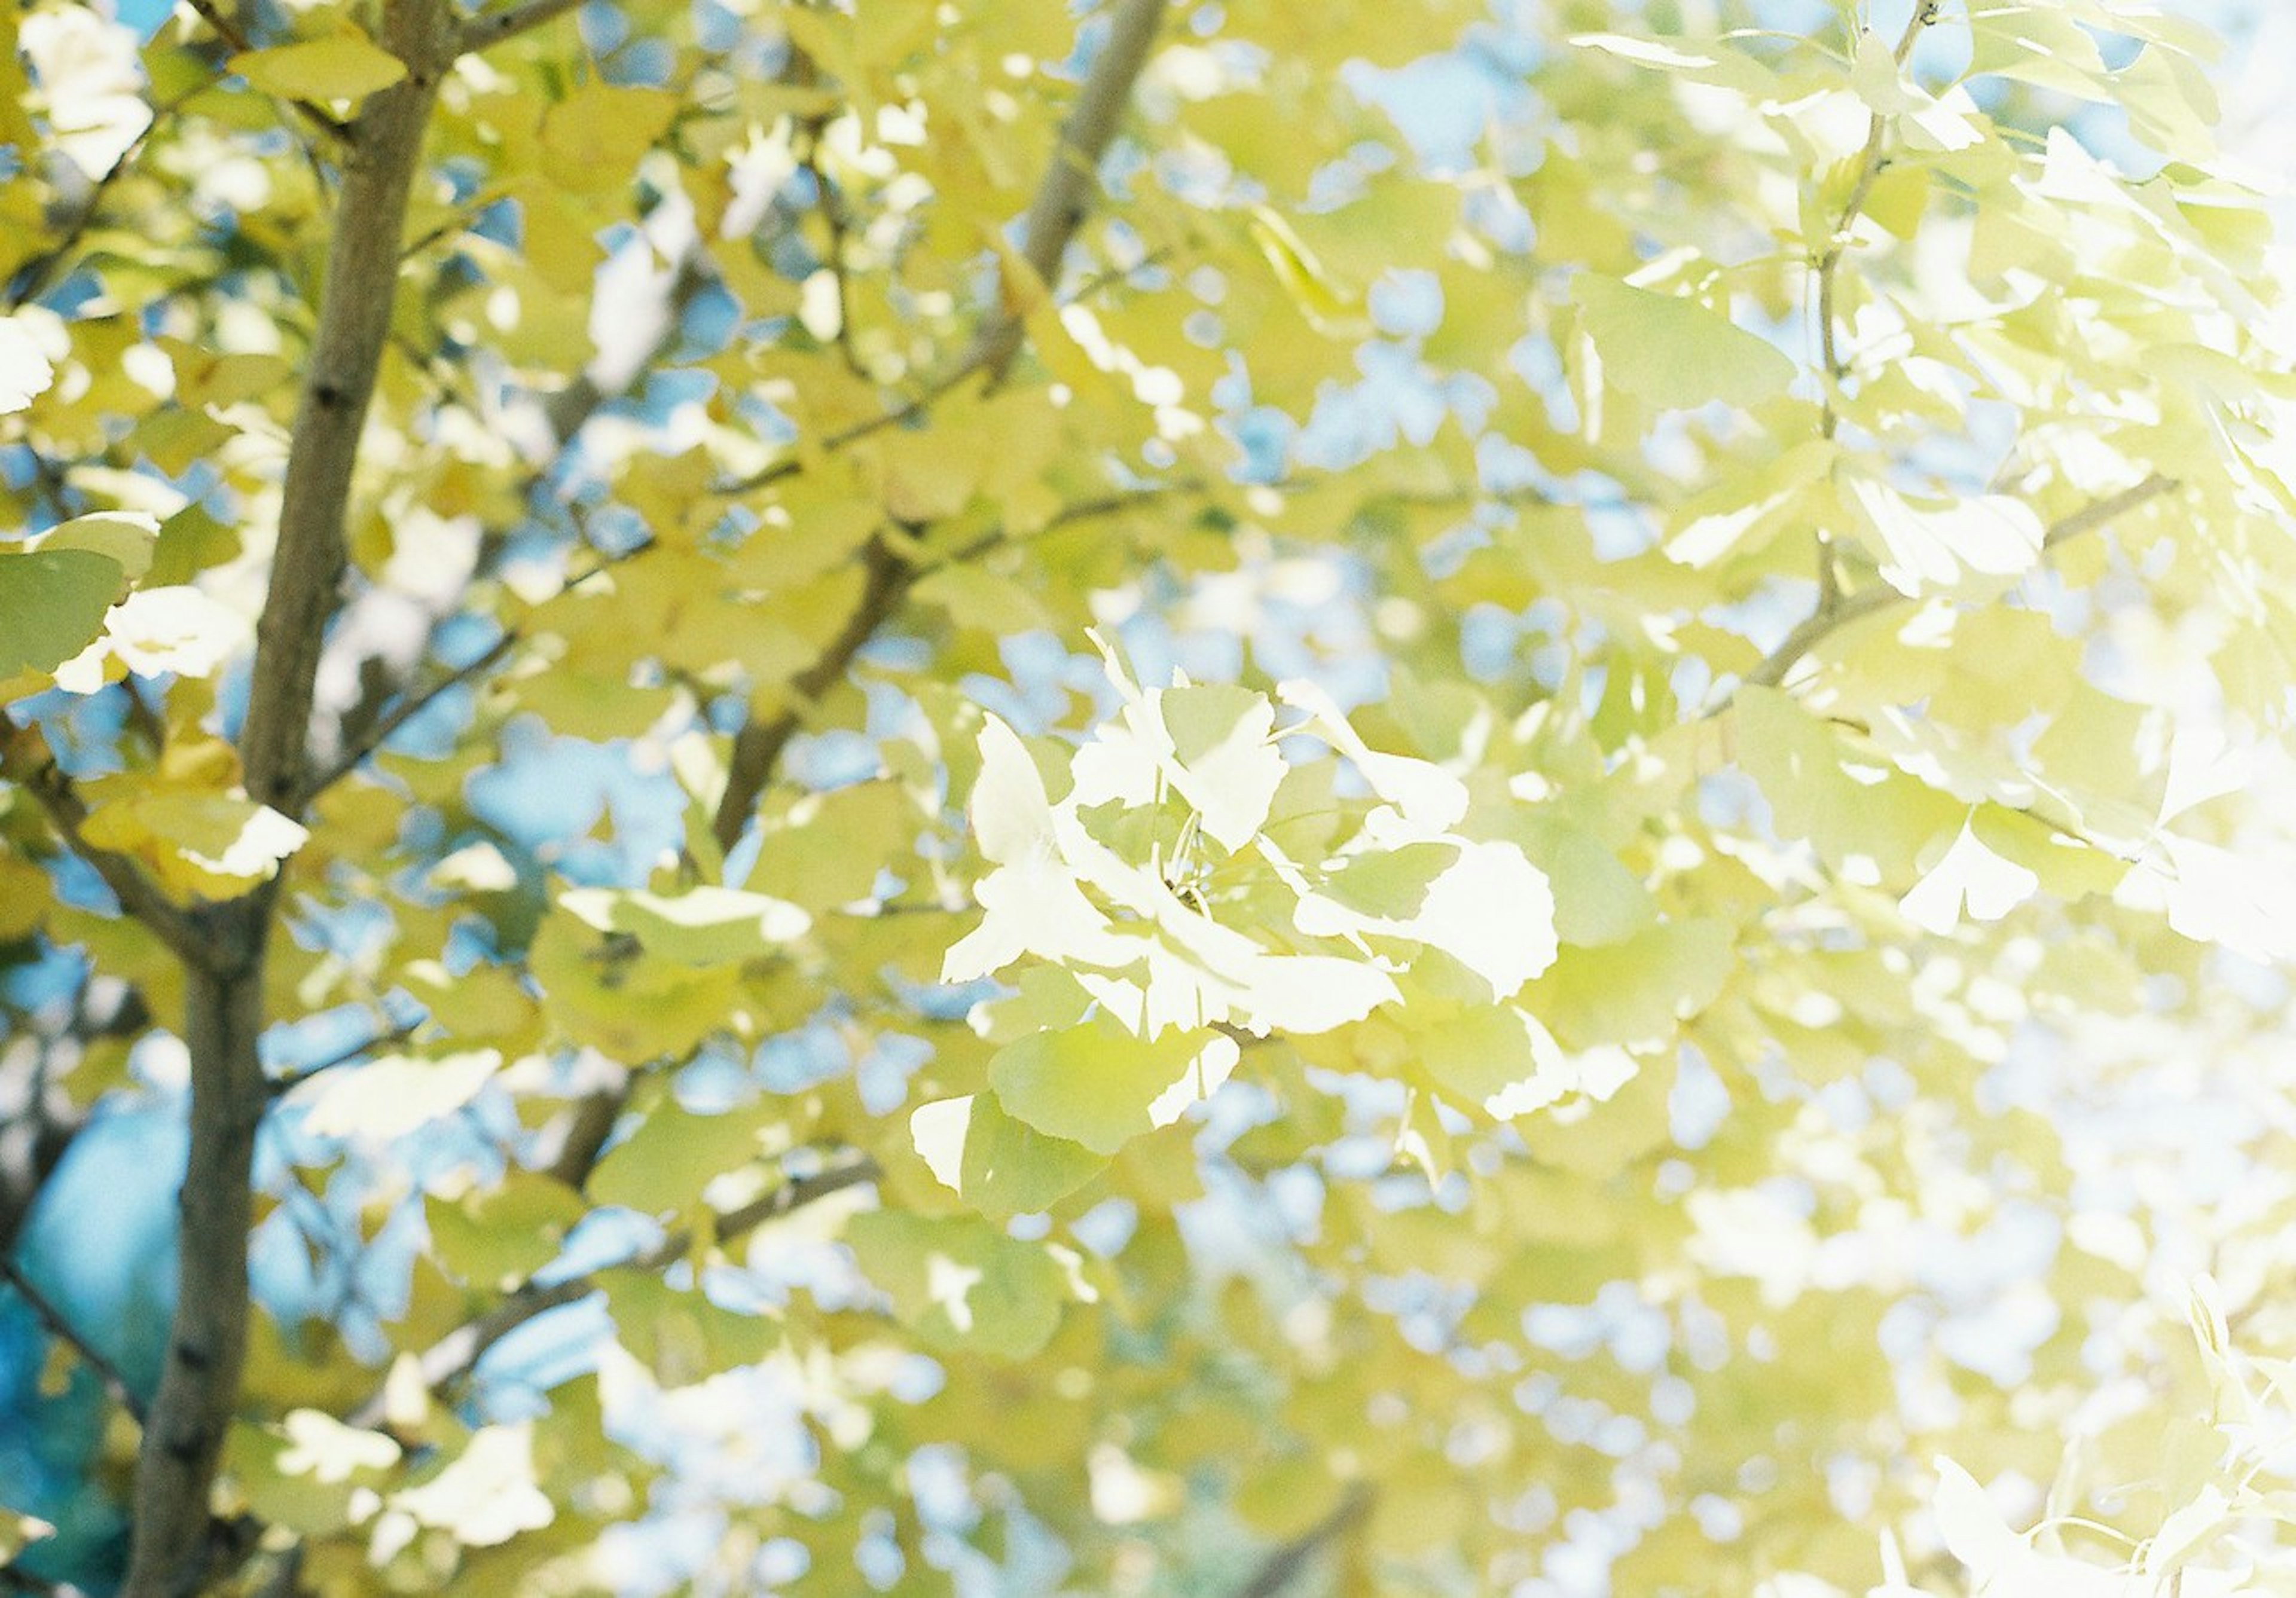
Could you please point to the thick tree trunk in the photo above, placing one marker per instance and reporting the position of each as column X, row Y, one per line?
column 199, row 1383
column 207, row 1342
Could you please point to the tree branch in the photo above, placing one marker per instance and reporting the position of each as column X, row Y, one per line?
column 172, row 1549
column 1281, row 1568
column 280, row 1086
column 338, row 384
column 1064, row 196
column 2091, row 517
column 59, row 1327
column 377, row 733
column 490, row 28
column 1828, row 619
column 1058, row 211
column 27, row 760
column 456, row 1355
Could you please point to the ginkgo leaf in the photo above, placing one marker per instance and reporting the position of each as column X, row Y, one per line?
column 702, row 926
column 1497, row 1059
column 1968, row 548
column 1225, row 766
column 1035, row 907
column 25, row 372
column 673, row 1152
column 1010, row 815
column 2187, row 1530
column 1423, row 794
column 1876, row 76
column 1643, row 53
column 1099, row 1085
column 198, row 846
column 1968, row 876
column 1494, row 914
column 497, row 1237
column 678, row 1334
column 592, row 139
column 1635, row 991
column 391, row 1096
column 1973, row 1530
column 127, row 537
column 175, row 632
column 345, row 65
column 960, row 1284
column 485, row 1494
column 1674, row 353
column 1002, row 1165
column 52, row 605
column 1302, row 995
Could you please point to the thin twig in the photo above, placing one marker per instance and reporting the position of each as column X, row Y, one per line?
column 490, row 28
column 1820, row 623
column 59, row 1327
column 456, row 1355
column 1871, row 161
column 1060, row 204
column 2090, row 518
column 27, row 761
column 282, row 1085
column 13, row 1580
column 1277, row 1572
column 34, row 278
column 229, row 32
column 378, row 732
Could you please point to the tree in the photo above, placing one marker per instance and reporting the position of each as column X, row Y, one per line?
column 596, row 662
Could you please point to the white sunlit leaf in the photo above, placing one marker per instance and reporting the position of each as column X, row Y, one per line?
column 1970, row 877
column 1423, row 794
column 1010, row 814
column 1035, row 907
column 390, row 1097
column 1973, row 1530
column 486, row 1496
column 1970, row 548
column 25, row 372
column 1494, row 912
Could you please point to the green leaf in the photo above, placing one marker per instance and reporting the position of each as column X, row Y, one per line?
column 346, row 65
column 960, row 1283
column 592, row 139
column 677, row 1333
column 1003, row 1167
column 189, row 543
column 497, row 1237
column 1500, row 1061
column 1968, row 878
column 702, row 926
column 674, row 1152
column 52, row 605
column 198, row 845
column 1099, row 1085
column 1672, row 352
column 1635, row 991
column 127, row 537
column 396, row 1095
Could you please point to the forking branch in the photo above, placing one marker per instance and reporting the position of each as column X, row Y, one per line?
column 1062, row 200
column 1829, row 619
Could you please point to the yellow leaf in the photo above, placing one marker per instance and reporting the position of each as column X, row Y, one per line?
column 208, row 846
column 593, row 138
column 344, row 66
